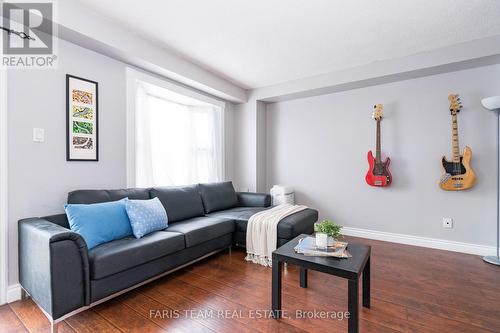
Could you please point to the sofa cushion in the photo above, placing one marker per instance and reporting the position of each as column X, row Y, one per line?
column 291, row 226
column 218, row 196
column 96, row 196
column 122, row 254
column 201, row 229
column 116, row 282
column 239, row 214
column 180, row 202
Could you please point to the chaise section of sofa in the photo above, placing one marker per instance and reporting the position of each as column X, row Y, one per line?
column 240, row 206
column 64, row 277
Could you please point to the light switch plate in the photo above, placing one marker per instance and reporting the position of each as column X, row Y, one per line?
column 38, row 135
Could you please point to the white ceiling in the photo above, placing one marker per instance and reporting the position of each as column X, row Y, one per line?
column 259, row 43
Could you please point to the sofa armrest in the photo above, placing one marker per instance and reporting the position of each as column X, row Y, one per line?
column 247, row 199
column 53, row 266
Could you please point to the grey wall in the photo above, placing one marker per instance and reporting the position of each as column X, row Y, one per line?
column 245, row 142
column 229, row 141
column 39, row 176
column 319, row 145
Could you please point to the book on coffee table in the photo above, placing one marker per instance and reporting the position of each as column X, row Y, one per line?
column 307, row 246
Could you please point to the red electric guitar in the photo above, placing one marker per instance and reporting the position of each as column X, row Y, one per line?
column 378, row 172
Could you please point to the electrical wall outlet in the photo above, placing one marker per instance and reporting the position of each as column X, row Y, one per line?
column 447, row 223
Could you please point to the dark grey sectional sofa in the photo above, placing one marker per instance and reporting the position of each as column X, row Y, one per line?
column 63, row 277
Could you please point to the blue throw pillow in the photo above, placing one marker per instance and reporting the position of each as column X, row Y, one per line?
column 99, row 223
column 146, row 216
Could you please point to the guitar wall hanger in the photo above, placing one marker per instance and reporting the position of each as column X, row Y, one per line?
column 20, row 34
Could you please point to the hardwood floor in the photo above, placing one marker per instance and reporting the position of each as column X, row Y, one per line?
column 413, row 290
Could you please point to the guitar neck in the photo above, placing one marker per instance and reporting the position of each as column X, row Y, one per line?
column 454, row 139
column 378, row 156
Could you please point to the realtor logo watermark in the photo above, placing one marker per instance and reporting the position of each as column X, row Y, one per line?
column 29, row 35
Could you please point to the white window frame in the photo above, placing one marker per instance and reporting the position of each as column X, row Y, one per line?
column 134, row 77
column 4, row 220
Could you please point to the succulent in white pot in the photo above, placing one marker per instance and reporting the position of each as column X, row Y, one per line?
column 327, row 233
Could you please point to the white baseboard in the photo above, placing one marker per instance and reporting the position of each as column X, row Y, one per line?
column 434, row 243
column 13, row 293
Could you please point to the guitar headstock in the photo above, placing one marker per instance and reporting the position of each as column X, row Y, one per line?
column 455, row 104
column 377, row 113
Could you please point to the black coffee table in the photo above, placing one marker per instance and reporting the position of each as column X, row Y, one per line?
column 350, row 269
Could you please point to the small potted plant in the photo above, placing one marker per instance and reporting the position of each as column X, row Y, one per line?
column 327, row 232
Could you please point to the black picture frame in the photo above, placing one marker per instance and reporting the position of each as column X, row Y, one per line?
column 69, row 118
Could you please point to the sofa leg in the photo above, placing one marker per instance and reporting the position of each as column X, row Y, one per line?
column 24, row 294
column 230, row 248
column 53, row 327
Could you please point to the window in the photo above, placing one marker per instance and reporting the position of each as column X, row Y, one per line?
column 178, row 138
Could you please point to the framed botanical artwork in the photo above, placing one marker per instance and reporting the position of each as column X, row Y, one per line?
column 81, row 119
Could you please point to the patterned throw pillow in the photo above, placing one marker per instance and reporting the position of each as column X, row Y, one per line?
column 146, row 216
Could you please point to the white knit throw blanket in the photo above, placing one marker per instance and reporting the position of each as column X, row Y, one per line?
column 262, row 232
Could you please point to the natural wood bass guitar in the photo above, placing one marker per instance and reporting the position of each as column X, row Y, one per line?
column 378, row 171
column 458, row 174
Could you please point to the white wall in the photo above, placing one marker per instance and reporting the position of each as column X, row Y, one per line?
column 39, row 175
column 319, row 144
